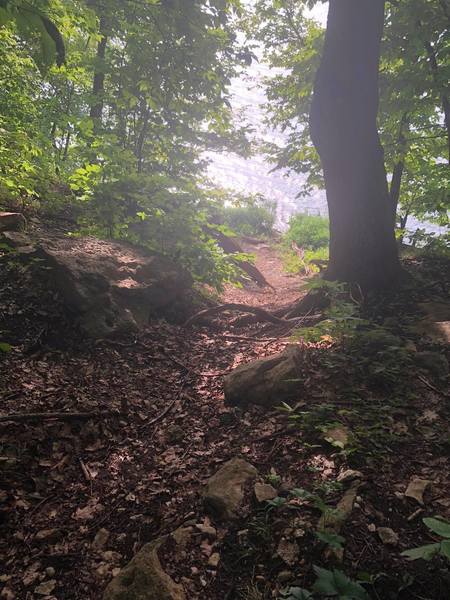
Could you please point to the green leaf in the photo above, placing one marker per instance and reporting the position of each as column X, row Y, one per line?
column 438, row 525
column 4, row 347
column 425, row 552
column 296, row 593
column 336, row 583
column 445, row 548
column 331, row 539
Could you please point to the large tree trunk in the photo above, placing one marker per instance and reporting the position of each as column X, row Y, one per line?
column 344, row 130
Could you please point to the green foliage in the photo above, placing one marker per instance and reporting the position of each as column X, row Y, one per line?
column 255, row 221
column 308, row 231
column 33, row 23
column 342, row 317
column 117, row 132
column 4, row 347
column 305, row 243
column 329, row 584
column 337, row 585
column 439, row 527
column 414, row 78
column 296, row 593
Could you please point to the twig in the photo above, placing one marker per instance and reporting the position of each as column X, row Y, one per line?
column 61, row 416
column 432, row 387
column 86, row 471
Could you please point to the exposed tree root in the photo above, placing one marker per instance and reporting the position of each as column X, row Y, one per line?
column 263, row 315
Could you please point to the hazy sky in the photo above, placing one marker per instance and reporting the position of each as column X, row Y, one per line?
column 320, row 12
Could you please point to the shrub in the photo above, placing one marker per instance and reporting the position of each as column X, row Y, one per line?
column 308, row 232
column 249, row 220
column 304, row 243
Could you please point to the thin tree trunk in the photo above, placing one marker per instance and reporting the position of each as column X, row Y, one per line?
column 397, row 173
column 343, row 125
column 98, row 84
column 444, row 97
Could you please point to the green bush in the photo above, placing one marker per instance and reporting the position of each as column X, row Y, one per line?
column 164, row 214
column 249, row 220
column 308, row 232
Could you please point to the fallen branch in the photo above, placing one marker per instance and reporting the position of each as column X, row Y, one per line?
column 264, row 315
column 60, row 416
column 432, row 387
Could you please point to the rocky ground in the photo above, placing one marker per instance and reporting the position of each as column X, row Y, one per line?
column 79, row 498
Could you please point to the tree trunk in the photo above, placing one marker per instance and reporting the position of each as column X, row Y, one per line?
column 98, row 85
column 399, row 167
column 444, row 98
column 343, row 125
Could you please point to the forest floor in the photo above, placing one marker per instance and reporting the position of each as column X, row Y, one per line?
column 141, row 475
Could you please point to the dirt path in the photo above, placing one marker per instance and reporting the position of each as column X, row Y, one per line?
column 286, row 287
column 61, row 483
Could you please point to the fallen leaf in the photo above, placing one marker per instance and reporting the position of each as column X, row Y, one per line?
column 416, row 489
column 45, row 588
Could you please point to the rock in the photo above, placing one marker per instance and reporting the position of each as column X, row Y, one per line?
column 387, row 536
column 214, row 560
column 349, row 475
column 337, row 436
column 434, row 362
column 224, row 492
column 101, row 539
column 335, row 520
column 144, row 578
column 10, row 221
column 48, row 535
column 268, row 381
column 264, row 492
column 436, row 324
column 21, row 242
column 45, row 588
column 113, row 287
column 416, row 489
column 207, row 530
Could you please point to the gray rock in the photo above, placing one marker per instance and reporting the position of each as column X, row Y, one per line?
column 224, row 492
column 269, row 381
column 113, row 287
column 144, row 578
column 387, row 536
column 264, row 492
column 12, row 221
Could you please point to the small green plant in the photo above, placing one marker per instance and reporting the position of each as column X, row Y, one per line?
column 296, row 593
column 4, row 347
column 273, row 478
column 341, row 317
column 305, row 244
column 336, row 584
column 331, row 539
column 441, row 528
column 308, row 231
column 329, row 584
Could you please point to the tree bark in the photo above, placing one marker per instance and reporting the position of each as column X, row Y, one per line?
column 399, row 167
column 343, row 124
column 444, row 97
column 98, row 84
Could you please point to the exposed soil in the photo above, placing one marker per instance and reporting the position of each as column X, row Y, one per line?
column 140, row 473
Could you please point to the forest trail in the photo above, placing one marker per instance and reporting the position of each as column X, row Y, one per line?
column 285, row 286
column 140, row 473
